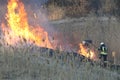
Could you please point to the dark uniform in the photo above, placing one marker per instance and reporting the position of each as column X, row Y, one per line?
column 103, row 52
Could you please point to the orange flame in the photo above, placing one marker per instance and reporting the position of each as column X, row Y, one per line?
column 18, row 27
column 87, row 52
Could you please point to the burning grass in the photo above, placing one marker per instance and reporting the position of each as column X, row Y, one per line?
column 34, row 63
column 94, row 28
column 17, row 27
column 25, row 61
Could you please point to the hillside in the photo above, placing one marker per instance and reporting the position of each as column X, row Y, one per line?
column 58, row 9
column 40, row 39
column 95, row 28
column 32, row 63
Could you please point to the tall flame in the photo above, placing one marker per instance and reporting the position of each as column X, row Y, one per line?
column 87, row 52
column 18, row 27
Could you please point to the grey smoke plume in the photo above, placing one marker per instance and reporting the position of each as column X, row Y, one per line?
column 37, row 15
column 35, row 2
column 35, row 8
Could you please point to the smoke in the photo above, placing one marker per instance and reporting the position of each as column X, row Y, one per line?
column 35, row 2
column 38, row 16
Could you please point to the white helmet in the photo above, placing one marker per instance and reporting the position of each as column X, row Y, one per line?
column 101, row 43
column 83, row 42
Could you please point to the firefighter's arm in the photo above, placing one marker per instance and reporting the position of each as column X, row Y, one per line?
column 99, row 49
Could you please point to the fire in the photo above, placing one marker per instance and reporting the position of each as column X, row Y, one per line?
column 18, row 28
column 87, row 52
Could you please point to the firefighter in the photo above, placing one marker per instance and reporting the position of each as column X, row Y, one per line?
column 103, row 52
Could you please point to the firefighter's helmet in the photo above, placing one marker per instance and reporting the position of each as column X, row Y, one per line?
column 102, row 43
column 83, row 42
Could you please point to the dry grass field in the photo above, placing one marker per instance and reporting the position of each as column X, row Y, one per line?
column 34, row 63
column 97, row 29
column 31, row 63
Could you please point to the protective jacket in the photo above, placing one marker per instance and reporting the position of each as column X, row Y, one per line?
column 103, row 49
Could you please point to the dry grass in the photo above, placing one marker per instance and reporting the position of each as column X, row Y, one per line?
column 95, row 28
column 78, row 8
column 32, row 63
column 55, row 12
column 62, row 9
